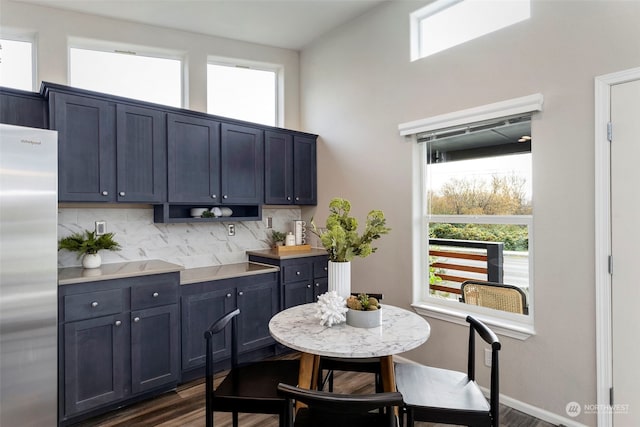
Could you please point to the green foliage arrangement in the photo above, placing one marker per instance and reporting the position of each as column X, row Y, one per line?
column 362, row 302
column 88, row 243
column 341, row 239
column 277, row 237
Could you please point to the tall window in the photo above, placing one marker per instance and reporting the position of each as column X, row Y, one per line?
column 479, row 208
column 447, row 23
column 16, row 64
column 473, row 210
column 242, row 92
column 127, row 73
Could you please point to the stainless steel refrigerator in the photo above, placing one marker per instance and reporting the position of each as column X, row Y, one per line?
column 28, row 276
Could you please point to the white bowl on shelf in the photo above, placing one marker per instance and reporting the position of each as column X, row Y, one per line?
column 226, row 211
column 197, row 212
column 217, row 212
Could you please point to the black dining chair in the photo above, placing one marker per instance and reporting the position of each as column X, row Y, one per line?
column 367, row 365
column 324, row 409
column 248, row 388
column 451, row 397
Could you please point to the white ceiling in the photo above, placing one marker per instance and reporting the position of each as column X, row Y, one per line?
column 288, row 24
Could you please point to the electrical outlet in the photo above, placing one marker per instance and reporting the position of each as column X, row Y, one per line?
column 101, row 228
column 487, row 357
column 268, row 222
column 231, row 229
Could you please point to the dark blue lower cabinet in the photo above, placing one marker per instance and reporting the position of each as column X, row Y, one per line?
column 119, row 341
column 94, row 365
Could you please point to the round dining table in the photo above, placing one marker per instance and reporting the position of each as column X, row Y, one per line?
column 299, row 328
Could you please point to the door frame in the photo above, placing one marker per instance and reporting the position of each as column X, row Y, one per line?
column 603, row 238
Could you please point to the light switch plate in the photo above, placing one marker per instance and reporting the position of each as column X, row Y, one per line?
column 487, row 357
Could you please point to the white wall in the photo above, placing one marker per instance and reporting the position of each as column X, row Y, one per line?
column 358, row 85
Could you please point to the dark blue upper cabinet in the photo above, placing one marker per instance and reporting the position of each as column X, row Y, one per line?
column 86, row 147
column 108, row 152
column 242, row 164
column 193, row 159
column 20, row 108
column 290, row 169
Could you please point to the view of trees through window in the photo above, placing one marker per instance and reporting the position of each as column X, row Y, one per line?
column 486, row 201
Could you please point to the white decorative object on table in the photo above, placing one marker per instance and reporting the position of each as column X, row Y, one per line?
column 339, row 276
column 331, row 309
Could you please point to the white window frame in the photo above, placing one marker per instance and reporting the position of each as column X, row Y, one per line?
column 508, row 324
column 153, row 52
column 278, row 69
column 417, row 17
column 29, row 38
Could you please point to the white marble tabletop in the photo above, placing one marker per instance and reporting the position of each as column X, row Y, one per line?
column 298, row 328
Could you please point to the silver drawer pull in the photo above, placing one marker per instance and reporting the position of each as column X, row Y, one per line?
column 213, row 196
column 225, row 197
column 240, row 293
column 118, row 323
column 94, row 304
column 122, row 194
column 136, row 319
column 308, row 286
column 228, row 295
column 326, row 269
column 155, row 295
column 317, row 285
column 297, row 273
column 105, row 193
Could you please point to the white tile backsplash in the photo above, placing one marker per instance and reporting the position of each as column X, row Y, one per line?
column 188, row 244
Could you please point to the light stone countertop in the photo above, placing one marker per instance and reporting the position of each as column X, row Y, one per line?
column 270, row 253
column 226, row 271
column 299, row 329
column 120, row 270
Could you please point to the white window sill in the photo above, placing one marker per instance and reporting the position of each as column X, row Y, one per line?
column 502, row 326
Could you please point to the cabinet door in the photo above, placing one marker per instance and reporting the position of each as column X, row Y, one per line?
column 258, row 303
column 298, row 293
column 155, row 347
column 304, row 170
column 95, row 362
column 141, row 154
column 278, row 163
column 320, row 286
column 86, row 148
column 242, row 163
column 193, row 159
column 199, row 311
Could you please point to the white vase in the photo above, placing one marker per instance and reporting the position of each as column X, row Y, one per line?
column 91, row 261
column 340, row 278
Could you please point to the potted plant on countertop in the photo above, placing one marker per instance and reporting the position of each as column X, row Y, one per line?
column 87, row 245
column 343, row 243
column 277, row 238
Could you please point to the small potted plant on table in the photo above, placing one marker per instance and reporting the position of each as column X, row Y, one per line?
column 364, row 311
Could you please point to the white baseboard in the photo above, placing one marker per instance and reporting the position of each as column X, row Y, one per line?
column 526, row 408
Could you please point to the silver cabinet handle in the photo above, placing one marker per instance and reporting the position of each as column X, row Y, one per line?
column 225, row 197
column 155, row 295
column 289, row 198
column 317, row 285
column 136, row 319
column 326, row 269
column 240, row 293
column 118, row 323
column 298, row 273
column 297, row 198
column 228, row 295
column 213, row 196
column 94, row 304
column 105, row 193
column 122, row 194
column 308, row 286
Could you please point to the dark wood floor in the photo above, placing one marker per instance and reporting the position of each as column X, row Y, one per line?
column 185, row 407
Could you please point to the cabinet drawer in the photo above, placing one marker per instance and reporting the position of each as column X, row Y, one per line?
column 296, row 272
column 93, row 304
column 153, row 295
column 320, row 267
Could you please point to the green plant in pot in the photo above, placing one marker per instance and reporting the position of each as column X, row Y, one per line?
column 87, row 245
column 343, row 243
column 364, row 311
column 277, row 238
